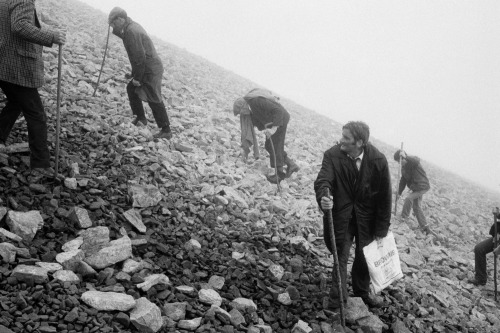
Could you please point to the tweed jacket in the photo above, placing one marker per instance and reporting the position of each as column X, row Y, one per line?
column 21, row 43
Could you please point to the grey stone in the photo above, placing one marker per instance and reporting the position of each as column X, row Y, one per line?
column 145, row 196
column 146, row 316
column 7, row 234
column 210, row 296
column 108, row 301
column 152, row 280
column 355, row 310
column 371, row 324
column 72, row 244
column 25, row 224
column 242, row 304
column 8, row 252
column 69, row 260
column 94, row 239
column 66, row 276
column 35, row 273
column 134, row 218
column 189, row 325
column 175, row 311
column 80, row 217
column 117, row 251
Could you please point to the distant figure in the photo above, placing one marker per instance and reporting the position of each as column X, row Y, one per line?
column 413, row 175
column 248, row 135
column 272, row 118
column 354, row 182
column 147, row 71
column 480, row 251
column 21, row 74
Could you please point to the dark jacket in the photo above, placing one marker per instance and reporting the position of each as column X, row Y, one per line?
column 21, row 40
column 413, row 176
column 367, row 194
column 265, row 111
column 147, row 67
column 492, row 229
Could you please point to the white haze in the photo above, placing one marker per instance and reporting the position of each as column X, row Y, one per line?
column 424, row 72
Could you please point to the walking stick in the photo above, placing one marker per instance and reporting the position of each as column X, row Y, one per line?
column 275, row 166
column 399, row 180
column 495, row 244
column 336, row 265
column 58, row 108
column 103, row 59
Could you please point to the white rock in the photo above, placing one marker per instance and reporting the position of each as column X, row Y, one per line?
column 108, row 301
column 50, row 266
column 210, row 296
column 117, row 251
column 69, row 260
column 66, row 276
column 72, row 245
column 135, row 219
column 146, row 316
column 71, row 183
column 25, row 224
column 24, row 273
column 9, row 235
column 241, row 303
column 153, row 280
column 80, row 217
column 189, row 325
column 175, row 311
column 284, row 299
column 192, row 244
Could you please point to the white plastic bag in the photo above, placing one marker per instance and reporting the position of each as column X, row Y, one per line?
column 383, row 263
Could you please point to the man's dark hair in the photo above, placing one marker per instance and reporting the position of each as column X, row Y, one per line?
column 359, row 130
column 397, row 154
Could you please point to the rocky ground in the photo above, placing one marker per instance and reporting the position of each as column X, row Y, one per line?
column 181, row 235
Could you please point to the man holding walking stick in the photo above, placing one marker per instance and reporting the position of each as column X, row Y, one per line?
column 482, row 249
column 270, row 116
column 357, row 176
column 21, row 74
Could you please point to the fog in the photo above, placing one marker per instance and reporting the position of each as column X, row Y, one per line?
column 426, row 73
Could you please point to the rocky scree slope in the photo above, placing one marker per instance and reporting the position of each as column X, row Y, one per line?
column 187, row 216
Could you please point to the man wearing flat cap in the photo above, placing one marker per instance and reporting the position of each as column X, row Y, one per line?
column 147, row 71
column 270, row 116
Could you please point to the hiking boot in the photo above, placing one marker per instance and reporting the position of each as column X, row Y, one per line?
column 291, row 167
column 165, row 133
column 477, row 282
column 275, row 179
column 42, row 172
column 373, row 301
column 139, row 121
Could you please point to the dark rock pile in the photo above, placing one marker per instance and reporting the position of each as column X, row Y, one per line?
column 151, row 235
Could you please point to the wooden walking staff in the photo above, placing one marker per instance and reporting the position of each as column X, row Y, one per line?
column 58, row 108
column 336, row 265
column 102, row 65
column 495, row 244
column 399, row 180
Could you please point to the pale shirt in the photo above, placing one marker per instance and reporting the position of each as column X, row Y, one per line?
column 358, row 159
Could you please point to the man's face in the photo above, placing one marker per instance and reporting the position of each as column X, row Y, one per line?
column 348, row 144
column 118, row 23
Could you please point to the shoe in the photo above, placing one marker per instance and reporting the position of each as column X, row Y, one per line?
column 373, row 301
column 42, row 172
column 137, row 121
column 476, row 282
column 291, row 167
column 163, row 134
column 276, row 179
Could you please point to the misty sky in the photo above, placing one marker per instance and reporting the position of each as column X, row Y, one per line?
column 424, row 72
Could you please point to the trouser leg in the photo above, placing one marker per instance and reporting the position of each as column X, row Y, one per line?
column 359, row 273
column 135, row 102
column 279, row 147
column 417, row 208
column 480, row 252
column 160, row 114
column 407, row 205
column 27, row 101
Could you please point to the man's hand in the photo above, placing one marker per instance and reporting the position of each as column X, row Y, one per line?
column 270, row 131
column 59, row 37
column 327, row 203
column 136, row 83
column 403, row 154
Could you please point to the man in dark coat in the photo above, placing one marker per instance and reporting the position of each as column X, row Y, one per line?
column 354, row 182
column 413, row 175
column 147, row 71
column 480, row 251
column 270, row 116
column 21, row 74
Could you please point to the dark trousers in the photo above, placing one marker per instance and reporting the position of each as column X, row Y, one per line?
column 279, row 147
column 159, row 110
column 480, row 252
column 28, row 101
column 359, row 273
column 414, row 199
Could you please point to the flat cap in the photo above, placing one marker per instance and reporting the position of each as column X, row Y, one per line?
column 116, row 12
